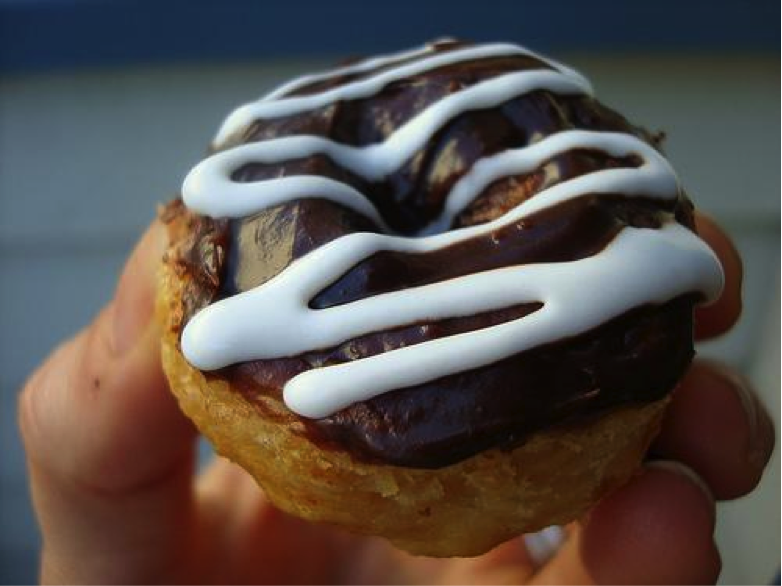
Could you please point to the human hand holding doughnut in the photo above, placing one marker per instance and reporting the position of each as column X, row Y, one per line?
column 439, row 296
column 111, row 468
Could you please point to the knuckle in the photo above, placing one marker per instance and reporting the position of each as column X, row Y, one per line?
column 35, row 393
column 71, row 371
column 25, row 408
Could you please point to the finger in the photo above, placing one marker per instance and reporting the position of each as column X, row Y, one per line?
column 509, row 563
column 717, row 318
column 251, row 541
column 109, row 453
column 717, row 426
column 657, row 529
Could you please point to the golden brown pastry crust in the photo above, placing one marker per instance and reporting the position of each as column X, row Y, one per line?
column 461, row 510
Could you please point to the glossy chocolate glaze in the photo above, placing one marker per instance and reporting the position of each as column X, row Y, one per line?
column 637, row 357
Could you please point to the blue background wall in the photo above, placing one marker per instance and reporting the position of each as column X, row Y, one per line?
column 44, row 34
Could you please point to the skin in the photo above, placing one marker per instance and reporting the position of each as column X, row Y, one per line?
column 122, row 502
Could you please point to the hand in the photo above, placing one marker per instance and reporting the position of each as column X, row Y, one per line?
column 111, row 462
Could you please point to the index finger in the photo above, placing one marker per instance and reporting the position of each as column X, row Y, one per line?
column 718, row 317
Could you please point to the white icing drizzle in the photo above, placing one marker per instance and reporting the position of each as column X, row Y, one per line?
column 639, row 267
column 373, row 162
column 362, row 66
column 363, row 88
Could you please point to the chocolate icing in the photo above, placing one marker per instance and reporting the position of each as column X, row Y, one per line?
column 637, row 357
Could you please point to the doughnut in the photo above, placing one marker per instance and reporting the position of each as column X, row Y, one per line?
column 440, row 296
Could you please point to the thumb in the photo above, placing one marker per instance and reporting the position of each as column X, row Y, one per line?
column 109, row 454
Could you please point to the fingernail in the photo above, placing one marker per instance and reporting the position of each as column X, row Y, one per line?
column 756, row 448
column 685, row 471
column 134, row 298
